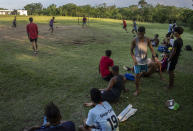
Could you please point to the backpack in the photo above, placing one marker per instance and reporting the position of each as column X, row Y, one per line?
column 162, row 48
column 188, row 48
column 130, row 77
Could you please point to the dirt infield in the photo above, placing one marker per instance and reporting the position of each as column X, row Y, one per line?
column 62, row 34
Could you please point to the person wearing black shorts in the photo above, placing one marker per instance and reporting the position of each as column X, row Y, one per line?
column 174, row 56
column 34, row 40
column 32, row 32
column 114, row 89
column 51, row 24
column 84, row 21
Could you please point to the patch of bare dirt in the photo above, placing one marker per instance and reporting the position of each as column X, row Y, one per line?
column 68, row 34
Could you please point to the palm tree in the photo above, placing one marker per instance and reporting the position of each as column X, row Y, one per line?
column 142, row 3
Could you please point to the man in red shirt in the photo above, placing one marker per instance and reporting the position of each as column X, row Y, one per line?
column 105, row 63
column 32, row 32
column 125, row 25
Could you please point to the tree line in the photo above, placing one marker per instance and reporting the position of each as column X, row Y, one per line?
column 143, row 12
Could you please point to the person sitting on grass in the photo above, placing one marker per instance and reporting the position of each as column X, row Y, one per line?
column 172, row 40
column 154, row 65
column 164, row 62
column 101, row 117
column 52, row 121
column 155, row 41
column 105, row 63
column 113, row 92
column 166, row 41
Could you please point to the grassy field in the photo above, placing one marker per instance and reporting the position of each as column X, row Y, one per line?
column 66, row 68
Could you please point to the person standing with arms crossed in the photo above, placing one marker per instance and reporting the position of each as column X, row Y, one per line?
column 32, row 32
column 174, row 55
column 140, row 45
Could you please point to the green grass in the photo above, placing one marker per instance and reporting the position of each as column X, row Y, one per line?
column 64, row 72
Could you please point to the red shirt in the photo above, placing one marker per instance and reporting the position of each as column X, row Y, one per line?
column 105, row 63
column 124, row 23
column 32, row 30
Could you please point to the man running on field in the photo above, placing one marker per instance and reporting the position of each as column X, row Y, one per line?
column 32, row 32
column 84, row 21
column 134, row 30
column 52, row 25
column 125, row 25
column 14, row 22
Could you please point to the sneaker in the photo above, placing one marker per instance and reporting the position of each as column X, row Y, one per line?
column 35, row 52
column 125, row 68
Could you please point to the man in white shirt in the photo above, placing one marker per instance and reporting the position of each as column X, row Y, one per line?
column 101, row 117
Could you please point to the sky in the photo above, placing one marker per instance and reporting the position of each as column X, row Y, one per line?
column 19, row 4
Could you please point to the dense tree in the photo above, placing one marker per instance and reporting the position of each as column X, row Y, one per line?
column 142, row 3
column 3, row 9
column 33, row 8
column 142, row 12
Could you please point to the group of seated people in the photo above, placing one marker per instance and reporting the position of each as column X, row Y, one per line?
column 165, row 48
column 155, row 40
column 53, row 121
column 168, row 41
column 101, row 116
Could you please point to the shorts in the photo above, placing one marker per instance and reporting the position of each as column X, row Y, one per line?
column 108, row 78
column 134, row 29
column 171, row 66
column 140, row 68
column 33, row 40
column 51, row 26
column 14, row 24
column 124, row 27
